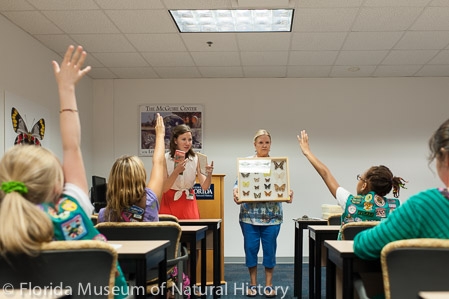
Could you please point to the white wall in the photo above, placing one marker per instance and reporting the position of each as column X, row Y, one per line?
column 353, row 124
column 26, row 71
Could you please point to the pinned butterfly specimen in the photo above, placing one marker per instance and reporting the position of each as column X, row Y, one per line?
column 245, row 184
column 267, row 193
column 256, row 187
column 245, row 193
column 279, row 188
column 267, row 186
column 280, row 195
column 256, row 180
column 257, row 195
column 279, row 176
column 24, row 136
column 279, row 164
column 267, row 174
column 245, row 175
column 267, row 180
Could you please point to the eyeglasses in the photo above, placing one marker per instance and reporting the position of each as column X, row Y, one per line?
column 359, row 177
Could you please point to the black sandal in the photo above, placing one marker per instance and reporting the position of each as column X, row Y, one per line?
column 269, row 292
column 251, row 291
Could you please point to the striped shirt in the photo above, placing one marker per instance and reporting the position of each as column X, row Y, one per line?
column 424, row 215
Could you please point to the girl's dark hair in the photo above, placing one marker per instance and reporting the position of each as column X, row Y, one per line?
column 381, row 180
column 176, row 131
column 439, row 142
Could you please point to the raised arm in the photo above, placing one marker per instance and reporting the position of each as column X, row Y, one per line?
column 159, row 170
column 205, row 180
column 322, row 169
column 67, row 75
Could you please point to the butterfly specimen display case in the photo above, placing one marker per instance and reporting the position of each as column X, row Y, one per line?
column 263, row 179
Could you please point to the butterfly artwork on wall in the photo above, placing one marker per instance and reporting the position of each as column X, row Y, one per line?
column 24, row 136
column 245, row 193
column 279, row 164
column 279, row 188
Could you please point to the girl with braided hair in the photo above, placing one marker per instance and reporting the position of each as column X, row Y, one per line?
column 370, row 203
column 423, row 215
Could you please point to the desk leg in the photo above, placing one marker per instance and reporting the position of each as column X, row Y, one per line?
column 311, row 268
column 330, row 279
column 163, row 274
column 348, row 284
column 318, row 244
column 203, row 268
column 141, row 282
column 192, row 258
column 217, row 262
column 297, row 275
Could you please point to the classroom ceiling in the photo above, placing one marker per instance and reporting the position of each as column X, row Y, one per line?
column 131, row 39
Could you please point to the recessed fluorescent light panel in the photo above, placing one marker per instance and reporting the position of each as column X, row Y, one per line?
column 240, row 20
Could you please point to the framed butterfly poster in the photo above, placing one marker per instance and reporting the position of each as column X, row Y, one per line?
column 263, row 179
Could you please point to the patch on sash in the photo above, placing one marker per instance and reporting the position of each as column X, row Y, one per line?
column 69, row 205
column 74, row 229
column 379, row 200
column 368, row 206
column 352, row 209
column 365, row 213
column 133, row 214
column 368, row 197
column 381, row 212
column 356, row 200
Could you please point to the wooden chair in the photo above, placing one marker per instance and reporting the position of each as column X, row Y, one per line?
column 414, row 265
column 351, row 229
column 162, row 230
column 334, row 219
column 77, row 266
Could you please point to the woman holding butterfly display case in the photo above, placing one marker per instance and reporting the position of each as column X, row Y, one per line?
column 183, row 169
column 370, row 203
column 261, row 222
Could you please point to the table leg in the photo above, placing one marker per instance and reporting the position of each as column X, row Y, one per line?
column 311, row 268
column 141, row 282
column 317, row 263
column 297, row 274
column 217, row 262
column 192, row 258
column 203, row 268
column 348, row 285
column 330, row 279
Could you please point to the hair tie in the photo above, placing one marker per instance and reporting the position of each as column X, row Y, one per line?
column 13, row 186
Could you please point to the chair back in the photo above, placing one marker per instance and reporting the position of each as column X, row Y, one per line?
column 351, row 229
column 80, row 267
column 415, row 265
column 168, row 217
column 334, row 219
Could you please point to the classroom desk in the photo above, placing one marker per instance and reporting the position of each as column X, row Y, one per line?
column 300, row 225
column 191, row 234
column 138, row 253
column 433, row 295
column 213, row 225
column 317, row 235
column 341, row 254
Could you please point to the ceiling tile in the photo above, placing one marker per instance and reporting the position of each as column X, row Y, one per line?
column 264, row 58
column 101, row 73
column 135, row 73
column 134, row 4
column 156, row 42
column 121, row 59
column 220, row 41
column 398, row 57
column 221, row 72
column 198, row 4
column 360, row 57
column 33, row 22
column 441, row 58
column 57, row 42
column 396, row 70
column 312, row 57
column 82, row 21
column 265, row 71
column 423, row 40
column 386, row 18
column 266, row 41
column 318, row 41
column 64, row 4
column 328, row 3
column 178, row 72
column 433, row 18
column 143, row 21
column 15, row 5
column 216, row 58
column 400, row 3
column 305, row 71
column 342, row 71
column 323, row 20
column 104, row 42
column 169, row 59
column 371, row 40
column 434, row 71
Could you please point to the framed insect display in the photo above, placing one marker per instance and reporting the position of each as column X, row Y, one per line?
column 263, row 179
